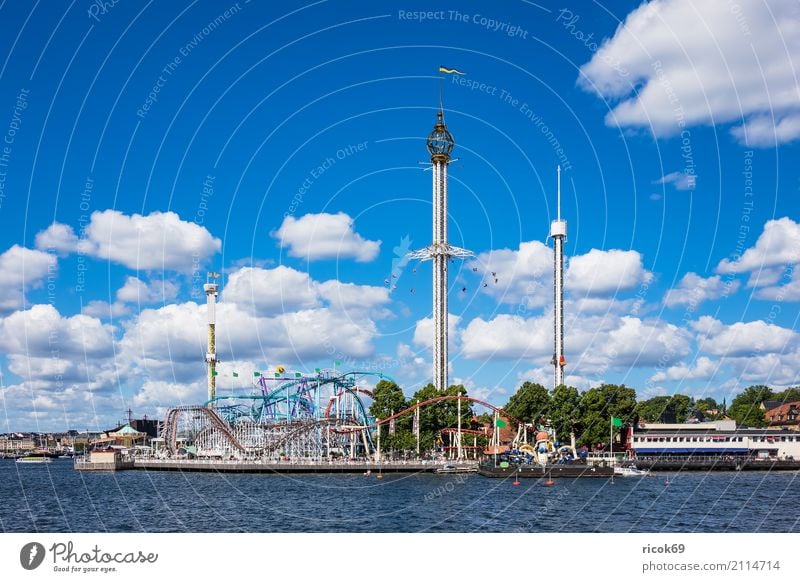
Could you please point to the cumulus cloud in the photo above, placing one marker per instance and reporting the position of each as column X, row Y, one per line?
column 270, row 291
column 703, row 369
column 158, row 241
column 22, row 269
column 137, row 291
column 605, row 272
column 777, row 248
column 679, row 180
column 42, row 331
column 693, row 289
column 59, row 238
column 325, row 236
column 779, row 370
column 524, row 276
column 673, row 64
column 595, row 343
column 744, row 338
column 283, row 289
column 423, row 332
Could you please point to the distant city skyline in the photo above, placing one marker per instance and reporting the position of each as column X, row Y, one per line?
column 283, row 146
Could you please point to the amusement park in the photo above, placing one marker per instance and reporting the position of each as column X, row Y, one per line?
column 336, row 417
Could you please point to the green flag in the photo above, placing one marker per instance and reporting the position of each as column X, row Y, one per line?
column 277, row 374
column 317, row 370
column 337, row 363
column 616, row 422
column 297, row 374
column 236, row 374
column 214, row 372
column 500, row 423
column 256, row 374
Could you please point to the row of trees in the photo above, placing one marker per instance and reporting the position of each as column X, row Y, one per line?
column 587, row 414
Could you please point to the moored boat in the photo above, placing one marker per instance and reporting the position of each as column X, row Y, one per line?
column 34, row 459
column 630, row 471
column 547, row 458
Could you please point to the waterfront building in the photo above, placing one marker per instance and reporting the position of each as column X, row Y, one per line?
column 785, row 415
column 719, row 438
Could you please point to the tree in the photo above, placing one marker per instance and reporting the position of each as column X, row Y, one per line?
column 705, row 404
column 599, row 405
column 652, row 409
column 675, row 408
column 746, row 407
column 565, row 411
column 788, row 395
column 680, row 407
column 388, row 400
column 530, row 403
column 433, row 418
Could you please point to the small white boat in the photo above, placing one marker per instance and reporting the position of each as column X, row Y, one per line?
column 34, row 459
column 631, row 471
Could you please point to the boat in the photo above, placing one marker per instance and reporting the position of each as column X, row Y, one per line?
column 630, row 471
column 34, row 459
column 460, row 468
column 547, row 458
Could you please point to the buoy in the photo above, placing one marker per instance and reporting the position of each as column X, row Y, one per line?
column 379, row 476
column 516, row 483
column 549, row 482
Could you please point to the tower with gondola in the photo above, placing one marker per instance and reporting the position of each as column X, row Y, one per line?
column 558, row 232
column 440, row 146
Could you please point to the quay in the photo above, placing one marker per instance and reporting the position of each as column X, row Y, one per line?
column 270, row 466
column 716, row 463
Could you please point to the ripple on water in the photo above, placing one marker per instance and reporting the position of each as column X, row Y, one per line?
column 55, row 498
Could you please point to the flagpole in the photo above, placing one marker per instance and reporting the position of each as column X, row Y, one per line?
column 611, row 437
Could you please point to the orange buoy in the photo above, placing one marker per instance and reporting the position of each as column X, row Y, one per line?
column 379, row 476
column 549, row 482
column 516, row 483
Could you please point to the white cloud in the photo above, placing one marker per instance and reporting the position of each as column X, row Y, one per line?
column 704, row 369
column 158, row 241
column 325, row 236
column 595, row 344
column 22, row 269
column 42, row 332
column 524, row 276
column 744, row 338
column 605, row 272
column 137, row 291
column 693, row 289
column 778, row 370
column 423, row 332
column 350, row 297
column 507, row 337
column 57, row 237
column 283, row 289
column 679, row 180
column 271, row 291
column 105, row 310
column 777, row 248
column 688, row 63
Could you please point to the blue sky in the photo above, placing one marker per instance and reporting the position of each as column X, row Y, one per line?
column 282, row 145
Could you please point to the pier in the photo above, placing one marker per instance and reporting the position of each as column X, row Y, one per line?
column 270, row 466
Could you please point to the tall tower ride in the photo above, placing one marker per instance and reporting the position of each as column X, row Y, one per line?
column 558, row 230
column 440, row 146
column 211, row 288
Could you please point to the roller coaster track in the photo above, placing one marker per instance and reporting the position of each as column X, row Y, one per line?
column 171, row 425
column 437, row 399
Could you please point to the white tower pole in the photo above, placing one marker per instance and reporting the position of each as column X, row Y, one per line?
column 558, row 230
column 211, row 288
